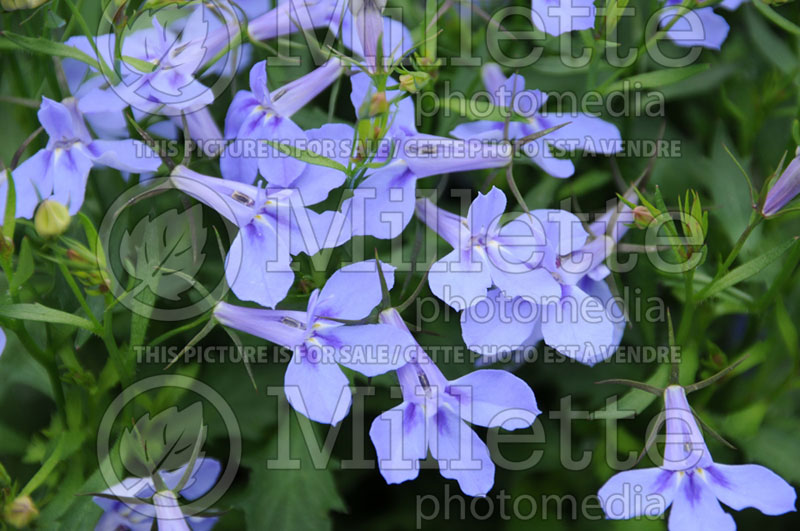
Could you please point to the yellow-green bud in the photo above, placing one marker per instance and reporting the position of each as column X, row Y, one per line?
column 414, row 82
column 378, row 104
column 20, row 512
column 51, row 219
column 11, row 5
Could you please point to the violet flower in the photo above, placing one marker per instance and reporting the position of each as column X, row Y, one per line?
column 691, row 482
column 486, row 253
column 582, row 320
column 315, row 386
column 433, row 416
column 59, row 171
column 274, row 225
column 163, row 507
column 257, row 115
column 584, row 132
column 555, row 17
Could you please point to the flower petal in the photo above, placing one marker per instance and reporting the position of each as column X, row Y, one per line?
column 317, row 389
column 461, row 454
column 635, row 493
column 337, row 298
column 399, row 439
column 742, row 486
column 495, row 399
column 696, row 507
column 460, row 279
column 371, row 349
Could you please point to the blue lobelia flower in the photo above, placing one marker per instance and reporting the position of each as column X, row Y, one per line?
column 162, row 507
column 548, row 278
column 257, row 115
column 786, row 188
column 432, row 417
column 584, row 132
column 691, row 482
column 698, row 27
column 383, row 203
column 274, row 225
column 555, row 17
column 487, row 253
column 314, row 384
column 60, row 170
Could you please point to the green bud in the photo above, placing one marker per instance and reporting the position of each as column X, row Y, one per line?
column 378, row 104
column 20, row 512
column 12, row 5
column 414, row 82
column 51, row 219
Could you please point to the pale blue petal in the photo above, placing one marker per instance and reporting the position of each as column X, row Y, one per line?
column 636, row 493
column 494, row 399
column 399, row 437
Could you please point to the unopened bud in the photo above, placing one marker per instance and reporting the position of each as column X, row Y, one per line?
column 12, row 5
column 378, row 104
column 20, row 512
column 51, row 219
column 642, row 217
column 414, row 82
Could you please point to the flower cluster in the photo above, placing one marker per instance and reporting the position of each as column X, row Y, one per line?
column 517, row 278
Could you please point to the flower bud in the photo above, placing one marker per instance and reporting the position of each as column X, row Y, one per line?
column 11, row 5
column 51, row 219
column 414, row 82
column 20, row 512
column 786, row 188
column 642, row 217
column 378, row 104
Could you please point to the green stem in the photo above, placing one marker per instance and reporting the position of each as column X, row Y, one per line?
column 755, row 220
column 113, row 350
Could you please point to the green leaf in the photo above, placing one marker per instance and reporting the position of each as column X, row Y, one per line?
column 140, row 65
column 48, row 47
column 290, row 495
column 634, row 401
column 481, row 110
column 745, row 271
column 658, row 78
column 38, row 312
column 307, row 156
column 25, row 266
column 774, row 17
